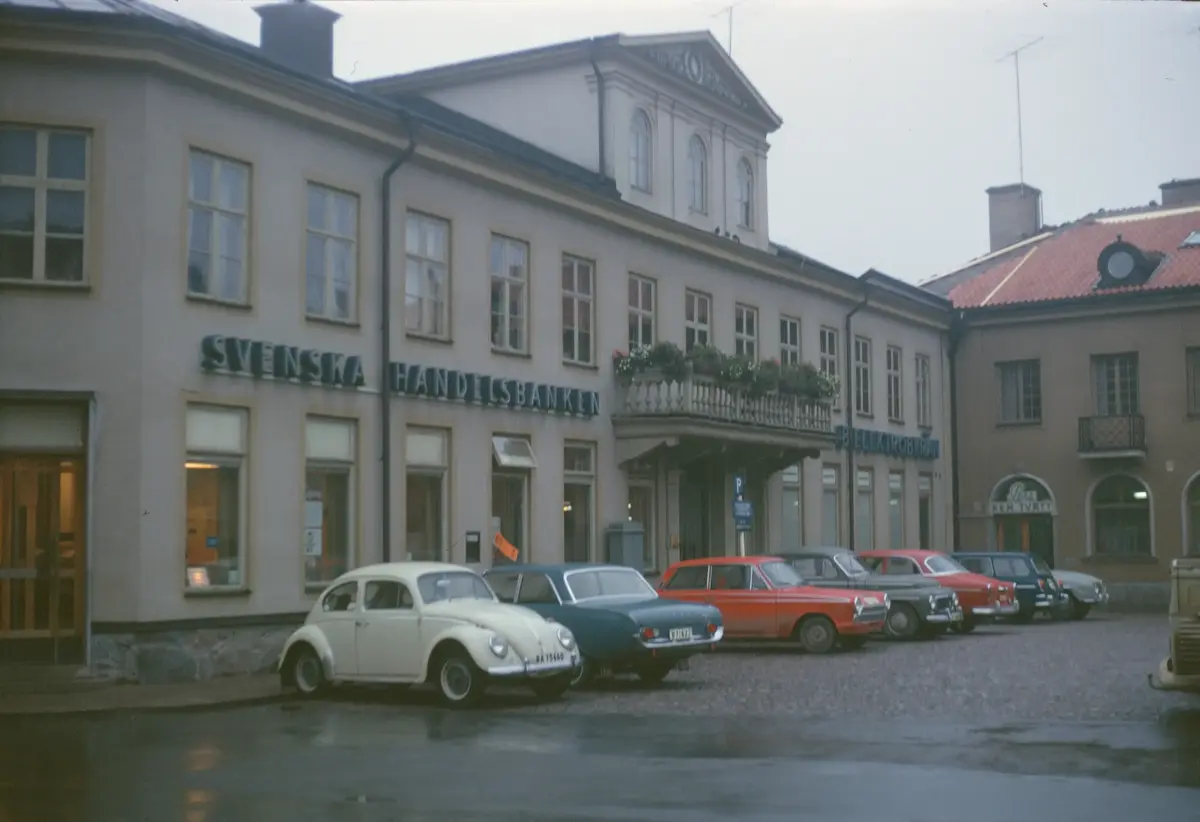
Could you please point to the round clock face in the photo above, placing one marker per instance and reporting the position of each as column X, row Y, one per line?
column 1120, row 265
column 695, row 68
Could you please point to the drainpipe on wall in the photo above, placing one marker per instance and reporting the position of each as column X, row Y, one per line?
column 957, row 332
column 601, row 115
column 385, row 345
column 850, row 479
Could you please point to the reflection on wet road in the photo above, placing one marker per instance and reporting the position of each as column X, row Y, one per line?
column 360, row 761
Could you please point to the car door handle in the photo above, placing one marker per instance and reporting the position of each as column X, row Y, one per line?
column 361, row 623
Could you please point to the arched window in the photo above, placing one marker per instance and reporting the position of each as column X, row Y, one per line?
column 640, row 143
column 745, row 187
column 698, row 162
column 1193, row 517
column 1121, row 517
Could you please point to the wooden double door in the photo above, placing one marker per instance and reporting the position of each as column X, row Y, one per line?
column 42, row 558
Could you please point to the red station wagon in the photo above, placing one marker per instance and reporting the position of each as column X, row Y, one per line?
column 982, row 598
column 764, row 598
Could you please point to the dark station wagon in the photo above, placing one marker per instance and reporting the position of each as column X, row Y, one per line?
column 1037, row 590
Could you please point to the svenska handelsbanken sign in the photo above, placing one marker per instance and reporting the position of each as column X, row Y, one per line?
column 308, row 366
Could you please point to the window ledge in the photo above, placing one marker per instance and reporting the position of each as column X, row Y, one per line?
column 217, row 301
column 1101, row 559
column 218, row 591
column 863, row 416
column 350, row 325
column 429, row 338
column 46, row 286
column 581, row 365
column 519, row 355
column 896, row 420
column 1019, row 424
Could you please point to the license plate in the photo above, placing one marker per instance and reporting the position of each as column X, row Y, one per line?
column 678, row 634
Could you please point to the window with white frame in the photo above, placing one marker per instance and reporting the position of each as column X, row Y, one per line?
column 745, row 331
column 1115, row 384
column 791, row 525
column 864, row 510
column 643, row 297
column 579, row 492
column 831, row 506
column 698, row 179
column 1192, row 359
column 331, row 453
column 789, row 341
column 925, row 510
column 862, row 376
column 215, row 542
column 331, row 254
column 829, row 358
column 924, row 392
column 44, row 177
column 895, row 383
column 509, row 263
column 578, row 284
column 745, row 190
column 1020, row 390
column 218, row 227
column 427, row 275
column 641, row 509
column 427, row 466
column 896, row 510
column 641, row 141
column 697, row 319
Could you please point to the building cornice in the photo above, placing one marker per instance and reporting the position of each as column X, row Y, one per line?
column 1099, row 306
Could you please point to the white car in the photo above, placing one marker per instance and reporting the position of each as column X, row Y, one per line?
column 414, row 622
column 1083, row 591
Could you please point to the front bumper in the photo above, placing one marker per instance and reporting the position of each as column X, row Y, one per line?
column 1168, row 680
column 871, row 613
column 1089, row 597
column 996, row 610
column 945, row 617
column 536, row 670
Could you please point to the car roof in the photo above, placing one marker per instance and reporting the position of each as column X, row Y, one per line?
column 734, row 560
column 991, row 554
column 827, row 550
column 400, row 570
column 915, row 553
column 555, row 567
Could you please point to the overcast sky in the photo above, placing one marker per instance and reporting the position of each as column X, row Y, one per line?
column 897, row 114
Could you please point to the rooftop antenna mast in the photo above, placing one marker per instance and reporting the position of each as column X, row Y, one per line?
column 1015, row 54
column 728, row 10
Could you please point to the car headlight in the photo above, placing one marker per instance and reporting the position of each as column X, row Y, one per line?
column 954, row 598
column 932, row 600
column 887, row 602
column 858, row 605
column 498, row 645
column 566, row 639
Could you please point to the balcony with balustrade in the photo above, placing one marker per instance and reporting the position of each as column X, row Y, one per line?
column 1112, row 437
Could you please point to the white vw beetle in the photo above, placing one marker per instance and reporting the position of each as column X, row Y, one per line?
column 413, row 622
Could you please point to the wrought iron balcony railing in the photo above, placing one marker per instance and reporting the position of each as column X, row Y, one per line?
column 1114, row 434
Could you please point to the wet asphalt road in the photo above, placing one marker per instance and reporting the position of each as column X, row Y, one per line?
column 827, row 754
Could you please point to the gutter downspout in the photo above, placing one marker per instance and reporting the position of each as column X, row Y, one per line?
column 385, row 344
column 851, row 485
column 957, row 332
column 601, row 115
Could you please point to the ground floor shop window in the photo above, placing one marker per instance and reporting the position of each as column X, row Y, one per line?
column 427, row 458
column 864, row 510
column 896, row 510
column 1121, row 517
column 216, row 496
column 329, row 535
column 925, row 510
column 791, row 524
column 578, row 493
column 513, row 461
column 831, row 506
column 640, row 509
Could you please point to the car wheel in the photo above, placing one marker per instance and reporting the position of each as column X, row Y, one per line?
column 585, row 673
column 552, row 687
column 1079, row 610
column 653, row 673
column 853, row 643
column 902, row 621
column 460, row 682
column 817, row 634
column 306, row 672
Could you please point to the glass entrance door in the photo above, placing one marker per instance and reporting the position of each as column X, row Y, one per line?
column 1031, row 535
column 509, row 507
column 42, row 558
column 693, row 516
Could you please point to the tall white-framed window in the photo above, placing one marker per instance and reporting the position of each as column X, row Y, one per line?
column 791, row 524
column 698, row 178
column 426, row 275
column 331, row 454
column 578, row 309
column 641, row 142
column 896, row 510
column 789, row 340
column 864, row 510
column 427, row 468
column 745, row 331
column 643, row 301
column 828, row 363
column 831, row 506
column 745, row 190
column 895, row 383
column 924, row 392
column 862, row 377
column 331, row 254
column 697, row 319
column 579, row 495
column 218, row 227
column 215, row 541
column 640, row 508
column 1115, row 384
column 44, row 180
column 509, row 265
column 925, row 510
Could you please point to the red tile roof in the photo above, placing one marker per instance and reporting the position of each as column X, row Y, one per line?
column 1063, row 264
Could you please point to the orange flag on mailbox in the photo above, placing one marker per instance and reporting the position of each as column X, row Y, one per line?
column 505, row 547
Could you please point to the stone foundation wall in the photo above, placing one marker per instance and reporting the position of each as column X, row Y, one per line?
column 1139, row 597
column 188, row 656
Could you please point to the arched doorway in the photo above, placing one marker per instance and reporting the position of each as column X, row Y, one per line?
column 1121, row 521
column 1023, row 512
column 1191, row 514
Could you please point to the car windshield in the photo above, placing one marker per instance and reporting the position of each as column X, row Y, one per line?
column 1040, row 565
column 780, row 574
column 608, row 582
column 940, row 564
column 443, row 585
column 850, row 564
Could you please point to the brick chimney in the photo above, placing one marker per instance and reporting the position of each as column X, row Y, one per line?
column 1181, row 192
column 298, row 34
column 1014, row 214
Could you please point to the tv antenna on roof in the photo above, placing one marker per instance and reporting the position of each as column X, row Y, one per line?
column 729, row 11
column 1015, row 54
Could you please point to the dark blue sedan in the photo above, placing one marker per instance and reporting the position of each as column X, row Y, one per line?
column 1037, row 590
column 617, row 617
